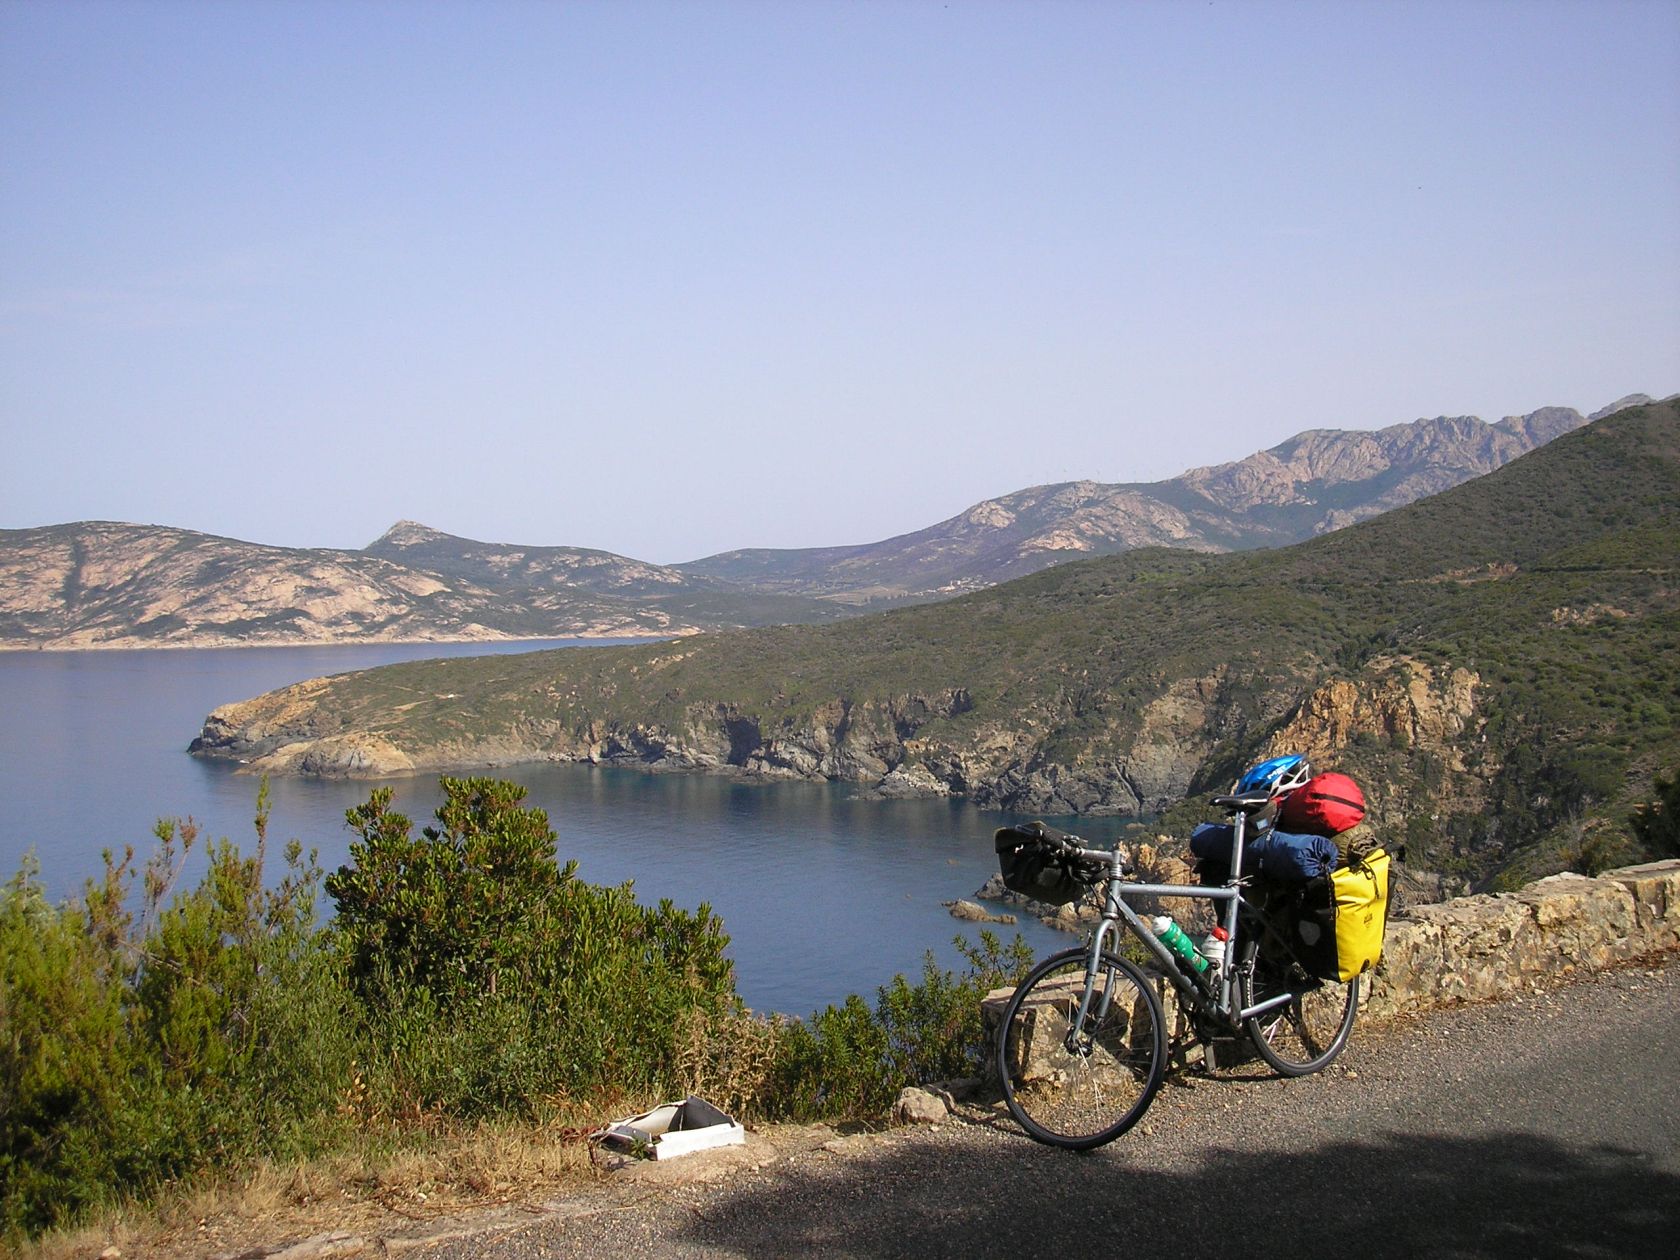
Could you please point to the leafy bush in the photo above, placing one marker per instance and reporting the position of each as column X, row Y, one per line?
column 136, row 1050
column 468, row 975
column 850, row 1061
column 834, row 1065
column 494, row 978
column 64, row 1057
column 454, row 911
column 1656, row 823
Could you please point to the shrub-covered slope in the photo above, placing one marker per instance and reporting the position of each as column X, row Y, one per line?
column 1500, row 663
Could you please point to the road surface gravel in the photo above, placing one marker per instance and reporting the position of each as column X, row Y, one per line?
column 1540, row 1126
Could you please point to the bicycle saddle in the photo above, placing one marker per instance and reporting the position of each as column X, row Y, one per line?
column 1247, row 804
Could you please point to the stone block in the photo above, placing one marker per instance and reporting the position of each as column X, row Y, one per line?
column 1579, row 922
column 920, row 1106
column 1485, row 942
column 1409, row 976
column 1655, row 888
column 1044, row 1022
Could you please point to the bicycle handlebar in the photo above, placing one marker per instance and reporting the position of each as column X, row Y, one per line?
column 1073, row 847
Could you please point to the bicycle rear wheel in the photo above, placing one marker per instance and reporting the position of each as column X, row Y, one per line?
column 1307, row 1032
column 1078, row 1087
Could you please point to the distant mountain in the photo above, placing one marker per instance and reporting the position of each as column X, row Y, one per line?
column 1317, row 481
column 1498, row 664
column 103, row 584
column 537, row 569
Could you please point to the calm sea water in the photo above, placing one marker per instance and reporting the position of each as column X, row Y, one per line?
column 823, row 892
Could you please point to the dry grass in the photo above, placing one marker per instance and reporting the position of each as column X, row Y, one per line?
column 381, row 1187
column 729, row 1058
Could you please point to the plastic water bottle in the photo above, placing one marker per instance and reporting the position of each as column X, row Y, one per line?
column 1212, row 947
column 1183, row 948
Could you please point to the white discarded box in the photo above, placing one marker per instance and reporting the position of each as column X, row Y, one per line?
column 679, row 1128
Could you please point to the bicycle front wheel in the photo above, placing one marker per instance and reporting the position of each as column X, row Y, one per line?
column 1307, row 1032
column 1079, row 1084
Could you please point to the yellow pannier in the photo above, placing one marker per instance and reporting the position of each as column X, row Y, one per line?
column 1339, row 934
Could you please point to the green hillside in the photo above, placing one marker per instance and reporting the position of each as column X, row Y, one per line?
column 1499, row 663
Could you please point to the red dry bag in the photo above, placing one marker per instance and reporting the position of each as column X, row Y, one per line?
column 1325, row 805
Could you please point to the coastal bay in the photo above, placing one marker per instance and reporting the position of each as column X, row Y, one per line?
column 92, row 753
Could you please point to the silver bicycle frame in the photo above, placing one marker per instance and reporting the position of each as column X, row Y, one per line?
column 1116, row 911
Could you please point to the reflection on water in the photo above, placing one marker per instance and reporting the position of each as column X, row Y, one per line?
column 823, row 892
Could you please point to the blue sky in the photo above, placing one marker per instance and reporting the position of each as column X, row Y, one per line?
column 667, row 279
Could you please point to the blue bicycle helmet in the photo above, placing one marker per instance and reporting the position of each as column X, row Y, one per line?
column 1274, row 777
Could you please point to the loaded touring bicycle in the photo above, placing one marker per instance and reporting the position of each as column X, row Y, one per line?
column 1082, row 1045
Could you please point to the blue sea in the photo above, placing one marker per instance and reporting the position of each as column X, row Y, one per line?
column 824, row 892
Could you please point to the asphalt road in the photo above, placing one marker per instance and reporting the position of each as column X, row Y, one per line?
column 1540, row 1127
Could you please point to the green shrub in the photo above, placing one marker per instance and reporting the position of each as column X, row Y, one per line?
column 133, row 1051
column 64, row 1057
column 1656, row 823
column 468, row 975
column 849, row 1061
column 493, row 979
column 934, row 1029
column 456, row 910
column 1601, row 847
column 835, row 1065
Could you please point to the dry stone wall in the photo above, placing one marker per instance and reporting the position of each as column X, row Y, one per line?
column 1483, row 947
column 1490, row 946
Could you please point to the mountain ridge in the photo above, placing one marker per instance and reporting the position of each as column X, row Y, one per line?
column 1269, row 498
column 111, row 584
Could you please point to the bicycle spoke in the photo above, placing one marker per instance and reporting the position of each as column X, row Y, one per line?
column 1079, row 1087
column 1306, row 1033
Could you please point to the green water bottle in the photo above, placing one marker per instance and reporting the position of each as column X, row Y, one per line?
column 1183, row 948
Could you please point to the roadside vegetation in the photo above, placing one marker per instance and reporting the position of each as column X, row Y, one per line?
column 468, row 983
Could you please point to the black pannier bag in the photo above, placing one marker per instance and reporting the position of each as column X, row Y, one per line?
column 1034, row 868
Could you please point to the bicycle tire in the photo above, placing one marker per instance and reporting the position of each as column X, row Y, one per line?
column 1078, row 1093
column 1308, row 1032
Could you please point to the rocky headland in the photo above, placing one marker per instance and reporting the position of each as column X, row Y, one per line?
column 103, row 584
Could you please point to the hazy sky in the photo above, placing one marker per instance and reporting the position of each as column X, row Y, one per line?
column 667, row 279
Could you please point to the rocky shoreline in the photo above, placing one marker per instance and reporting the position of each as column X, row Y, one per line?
column 211, row 642
column 885, row 747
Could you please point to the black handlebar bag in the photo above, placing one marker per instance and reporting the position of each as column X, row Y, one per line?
column 1033, row 866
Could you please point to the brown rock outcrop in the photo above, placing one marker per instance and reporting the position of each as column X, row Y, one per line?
column 1396, row 698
